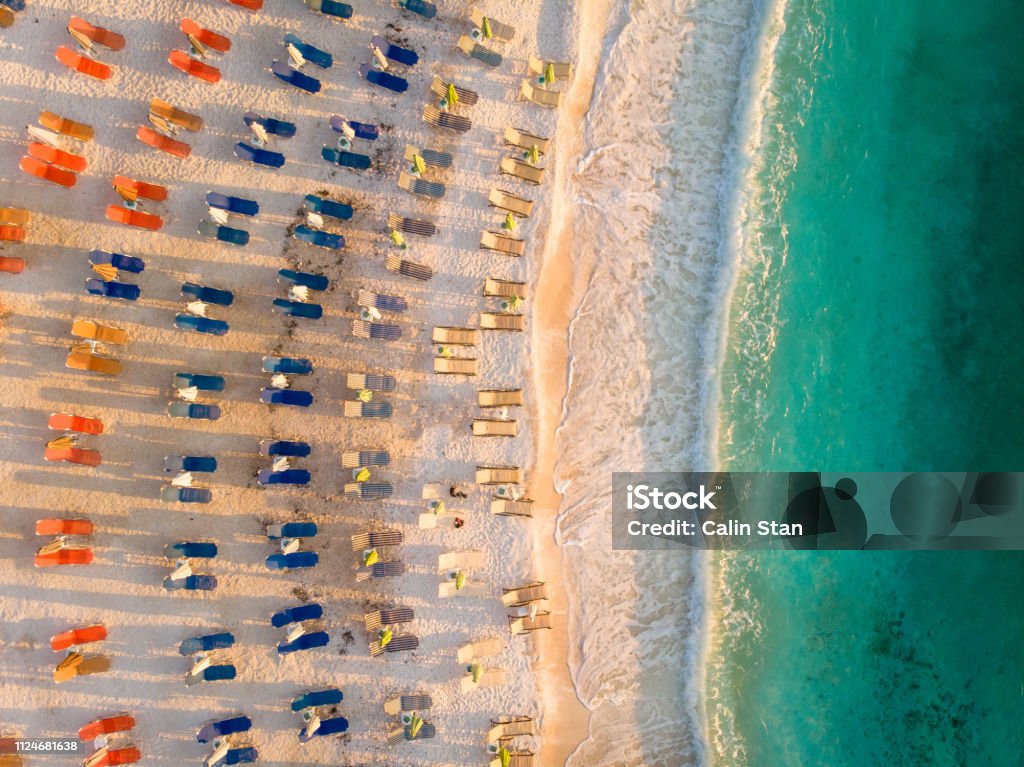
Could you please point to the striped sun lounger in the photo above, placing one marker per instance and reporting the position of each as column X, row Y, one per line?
column 451, row 366
column 474, row 50
column 380, row 570
column 523, row 595
column 525, row 625
column 411, row 225
column 399, row 733
column 438, row 119
column 375, row 538
column 499, row 198
column 391, row 616
column 381, row 301
column 499, row 31
column 381, row 383
column 431, row 157
column 457, row 336
column 499, row 475
column 408, row 268
column 420, row 187
column 504, row 288
column 440, row 88
column 400, row 643
column 368, row 491
column 365, row 329
column 521, row 139
column 399, row 703
column 368, row 409
column 521, row 170
column 502, row 321
column 510, row 246
column 511, row 727
column 365, row 458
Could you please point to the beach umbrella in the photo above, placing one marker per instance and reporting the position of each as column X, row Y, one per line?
column 61, row 442
column 382, row 60
column 549, row 73
column 453, row 97
column 279, row 381
column 183, row 480
column 415, row 725
column 196, row 308
column 397, row 239
column 298, row 293
column 189, row 393
column 385, row 636
column 533, row 154
column 363, row 475
column 505, row 757
column 84, row 346
column 509, row 223
column 364, row 395
column 514, row 303
column 439, row 507
column 485, row 28
column 298, row 60
column 445, row 351
column 282, row 464
column 460, row 580
column 105, row 271
column 370, row 557
column 475, row 670
column 419, row 165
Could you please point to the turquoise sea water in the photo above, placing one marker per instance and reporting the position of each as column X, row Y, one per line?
column 875, row 326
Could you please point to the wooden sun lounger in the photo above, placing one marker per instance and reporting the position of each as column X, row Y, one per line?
column 408, row 268
column 522, row 595
column 523, row 140
column 14, row 216
column 66, row 127
column 492, row 677
column 499, row 198
column 502, row 321
column 562, row 70
column 480, row 649
column 411, row 225
column 438, row 119
column 399, row 703
column 175, row 116
column 93, row 331
column 454, row 366
column 400, row 643
column 481, row 53
column 541, row 96
column 382, row 383
column 440, row 88
column 493, row 427
column 525, row 625
column 461, row 560
column 505, row 507
column 456, row 336
column 499, row 31
column 511, row 727
column 510, row 246
column 391, row 616
column 499, row 397
column 431, row 157
column 504, row 288
column 521, row 170
column 375, row 539
column 93, row 363
column 359, row 459
column 499, row 475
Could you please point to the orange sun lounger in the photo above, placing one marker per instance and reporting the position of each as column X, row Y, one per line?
column 72, row 637
column 106, row 726
column 188, row 65
column 65, row 126
column 94, row 363
column 78, row 665
column 80, row 455
column 64, row 557
column 122, row 215
column 12, row 265
column 83, row 64
column 12, row 233
column 147, row 135
column 94, row 331
column 7, row 18
column 252, row 5
column 176, row 116
column 98, row 35
column 14, row 216
column 48, row 172
column 64, row 527
column 73, row 162
column 210, row 39
column 79, row 423
column 111, row 757
column 131, row 189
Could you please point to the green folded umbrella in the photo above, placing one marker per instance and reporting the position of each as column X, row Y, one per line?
column 460, row 580
column 363, row 475
column 364, row 395
column 415, row 726
column 385, row 636
column 510, row 222
column 505, row 756
column 397, row 238
column 486, row 28
column 533, row 155
column 453, row 97
column 370, row 557
column 549, row 73
column 439, row 507
column 445, row 351
column 514, row 303
column 419, row 165
column 475, row 670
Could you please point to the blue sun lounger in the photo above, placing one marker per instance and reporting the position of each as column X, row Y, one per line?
column 296, row 560
column 396, row 53
column 316, row 698
column 368, row 409
column 216, row 296
column 304, row 642
column 191, row 463
column 368, row 491
column 310, row 53
column 237, row 205
column 361, row 130
column 291, row 530
column 318, row 237
column 279, row 128
column 371, row 381
column 384, row 80
column 258, row 156
column 378, row 330
column 201, row 325
column 220, row 673
column 191, row 549
column 325, row 207
column 306, row 279
column 345, row 159
column 292, row 397
column 419, row 7
column 193, row 410
column 220, row 641
column 198, row 380
column 14, row 5
column 192, row 583
column 117, row 260
column 218, row 729
column 113, row 289
column 300, row 309
column 295, row 78
column 243, row 755
column 331, row 8
column 299, row 477
column 283, row 447
column 292, row 366
column 335, row 726
column 222, row 233
column 365, row 458
column 383, row 302
column 298, row 614
column 171, row 494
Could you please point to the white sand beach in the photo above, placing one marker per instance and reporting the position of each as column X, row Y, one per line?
column 428, row 437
